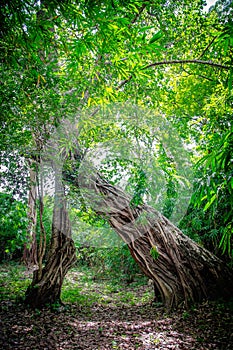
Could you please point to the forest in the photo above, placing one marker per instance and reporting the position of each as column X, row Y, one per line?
column 116, row 174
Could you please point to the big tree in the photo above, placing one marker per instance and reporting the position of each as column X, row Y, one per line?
column 158, row 54
column 182, row 270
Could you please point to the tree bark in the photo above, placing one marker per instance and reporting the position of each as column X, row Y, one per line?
column 183, row 271
column 30, row 249
column 46, row 286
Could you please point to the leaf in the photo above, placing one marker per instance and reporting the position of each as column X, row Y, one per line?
column 154, row 252
column 156, row 37
column 109, row 89
column 209, row 203
column 89, row 101
column 230, row 80
column 143, row 29
column 231, row 182
column 225, row 242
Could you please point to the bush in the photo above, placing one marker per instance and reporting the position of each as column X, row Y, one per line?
column 114, row 261
column 13, row 226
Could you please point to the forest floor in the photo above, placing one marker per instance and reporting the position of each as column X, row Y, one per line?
column 106, row 314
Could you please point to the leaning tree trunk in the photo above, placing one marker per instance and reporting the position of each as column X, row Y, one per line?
column 182, row 270
column 46, row 287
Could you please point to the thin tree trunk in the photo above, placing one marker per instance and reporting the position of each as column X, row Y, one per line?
column 30, row 248
column 42, row 238
column 182, row 270
column 46, row 288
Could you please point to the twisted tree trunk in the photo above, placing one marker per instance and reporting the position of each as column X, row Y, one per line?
column 46, row 286
column 182, row 270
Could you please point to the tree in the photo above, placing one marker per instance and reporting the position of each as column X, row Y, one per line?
column 35, row 102
column 160, row 55
column 47, row 282
column 182, row 270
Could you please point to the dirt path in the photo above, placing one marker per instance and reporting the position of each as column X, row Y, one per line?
column 209, row 326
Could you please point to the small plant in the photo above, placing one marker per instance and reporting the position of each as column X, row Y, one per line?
column 185, row 315
column 154, row 252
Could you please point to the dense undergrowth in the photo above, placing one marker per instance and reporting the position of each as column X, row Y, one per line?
column 83, row 286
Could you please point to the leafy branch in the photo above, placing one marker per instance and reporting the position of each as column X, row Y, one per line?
column 196, row 61
column 163, row 63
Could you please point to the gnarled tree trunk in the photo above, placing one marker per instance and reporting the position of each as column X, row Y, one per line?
column 46, row 286
column 182, row 270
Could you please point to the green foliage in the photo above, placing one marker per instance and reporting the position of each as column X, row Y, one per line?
column 115, row 262
column 85, row 287
column 154, row 253
column 140, row 179
column 13, row 281
column 81, row 286
column 14, row 174
column 214, row 192
column 13, row 226
column 60, row 58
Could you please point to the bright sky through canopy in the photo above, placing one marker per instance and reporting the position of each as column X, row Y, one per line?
column 209, row 4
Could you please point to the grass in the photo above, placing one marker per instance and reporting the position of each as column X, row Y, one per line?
column 82, row 286
column 13, row 281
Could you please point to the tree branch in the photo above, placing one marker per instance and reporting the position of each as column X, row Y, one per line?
column 163, row 63
column 122, row 83
column 138, row 14
column 207, row 47
column 196, row 61
column 198, row 75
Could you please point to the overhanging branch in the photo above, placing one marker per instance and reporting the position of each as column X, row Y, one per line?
column 196, row 61
column 163, row 63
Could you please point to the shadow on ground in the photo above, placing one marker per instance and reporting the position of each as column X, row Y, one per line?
column 208, row 326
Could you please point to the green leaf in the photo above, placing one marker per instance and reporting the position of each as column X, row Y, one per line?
column 143, row 29
column 154, row 252
column 210, row 202
column 231, row 182
column 156, row 37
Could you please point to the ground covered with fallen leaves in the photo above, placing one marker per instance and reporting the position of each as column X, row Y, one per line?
column 100, row 314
